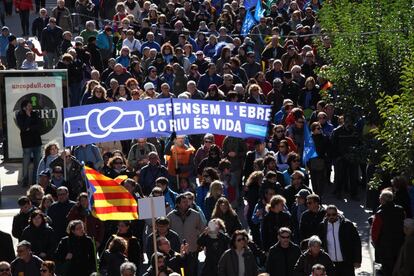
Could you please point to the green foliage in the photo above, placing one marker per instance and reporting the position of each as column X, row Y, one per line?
column 372, row 66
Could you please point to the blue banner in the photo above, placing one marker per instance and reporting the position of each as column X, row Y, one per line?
column 154, row 118
column 248, row 4
column 309, row 150
column 248, row 23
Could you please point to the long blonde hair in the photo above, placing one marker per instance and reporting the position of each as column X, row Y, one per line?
column 216, row 189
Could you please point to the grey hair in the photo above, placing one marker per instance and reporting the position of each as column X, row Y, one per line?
column 128, row 266
column 387, row 196
column 314, row 240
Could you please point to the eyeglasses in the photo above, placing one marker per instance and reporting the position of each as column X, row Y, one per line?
column 4, row 269
column 241, row 239
column 284, row 237
column 43, row 270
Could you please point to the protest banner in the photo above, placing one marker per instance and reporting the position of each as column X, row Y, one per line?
column 158, row 118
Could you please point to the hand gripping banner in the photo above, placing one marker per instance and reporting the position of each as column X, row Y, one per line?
column 156, row 118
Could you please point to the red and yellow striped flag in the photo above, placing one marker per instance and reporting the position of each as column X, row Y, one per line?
column 109, row 200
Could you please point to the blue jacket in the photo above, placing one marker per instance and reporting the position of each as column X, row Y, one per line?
column 4, row 43
column 201, row 193
column 124, row 60
column 209, row 50
column 170, row 196
column 205, row 81
column 102, row 41
column 151, row 45
column 286, row 176
column 90, row 153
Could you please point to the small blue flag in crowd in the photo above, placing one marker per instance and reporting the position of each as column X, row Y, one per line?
column 309, row 150
column 248, row 23
column 259, row 12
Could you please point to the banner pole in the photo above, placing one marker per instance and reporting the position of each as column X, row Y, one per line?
column 154, row 237
column 64, row 145
column 175, row 151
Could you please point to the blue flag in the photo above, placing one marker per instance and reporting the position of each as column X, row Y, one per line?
column 218, row 5
column 249, row 4
column 309, row 150
column 259, row 12
column 248, row 23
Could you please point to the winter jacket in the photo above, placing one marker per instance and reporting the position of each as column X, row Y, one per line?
column 31, row 268
column 93, row 226
column 272, row 222
column 51, row 39
column 110, row 263
column 188, row 227
column 42, row 239
column 280, row 257
column 349, row 240
column 23, row 5
column 148, row 174
column 38, row 25
column 306, row 261
column 228, row 263
column 83, row 261
column 44, row 164
column 89, row 154
column 310, row 221
column 58, row 212
column 63, row 18
column 29, row 129
column 7, row 249
column 214, row 248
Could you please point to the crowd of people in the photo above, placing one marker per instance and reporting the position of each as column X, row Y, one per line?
column 252, row 206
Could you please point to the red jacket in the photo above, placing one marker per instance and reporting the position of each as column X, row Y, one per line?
column 23, row 5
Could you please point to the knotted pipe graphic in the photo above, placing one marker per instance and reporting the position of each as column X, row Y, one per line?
column 100, row 123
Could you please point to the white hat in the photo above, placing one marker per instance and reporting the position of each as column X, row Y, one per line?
column 20, row 40
column 79, row 39
column 148, row 86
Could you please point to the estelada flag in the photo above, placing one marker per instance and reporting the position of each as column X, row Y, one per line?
column 108, row 199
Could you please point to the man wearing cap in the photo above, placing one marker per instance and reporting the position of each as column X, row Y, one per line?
column 26, row 263
column 44, row 181
column 50, row 42
column 40, row 23
column 4, row 42
column 251, row 66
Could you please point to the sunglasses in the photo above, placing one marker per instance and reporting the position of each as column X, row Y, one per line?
column 284, row 237
column 43, row 270
column 241, row 239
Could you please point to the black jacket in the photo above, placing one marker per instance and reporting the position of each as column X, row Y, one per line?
column 228, row 263
column 6, row 245
column 11, row 58
column 29, row 129
column 51, row 39
column 280, row 261
column 306, row 261
column 96, row 59
column 42, row 239
column 38, row 25
column 20, row 222
column 348, row 239
column 309, row 224
column 83, row 259
column 110, row 262
column 58, row 212
column 133, row 249
column 272, row 222
column 214, row 248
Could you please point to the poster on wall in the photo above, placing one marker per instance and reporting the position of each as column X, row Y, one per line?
column 47, row 96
